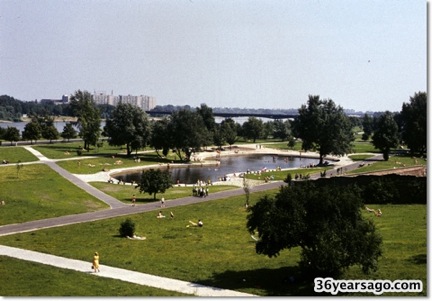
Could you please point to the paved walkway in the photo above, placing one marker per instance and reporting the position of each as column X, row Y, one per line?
column 121, row 274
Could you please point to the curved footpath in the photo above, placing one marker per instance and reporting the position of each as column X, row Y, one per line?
column 119, row 209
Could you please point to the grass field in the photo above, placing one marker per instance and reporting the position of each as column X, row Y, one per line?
column 222, row 253
column 15, row 154
column 125, row 192
column 28, row 279
column 37, row 192
column 393, row 162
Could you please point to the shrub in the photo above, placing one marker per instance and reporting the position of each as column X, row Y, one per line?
column 127, row 228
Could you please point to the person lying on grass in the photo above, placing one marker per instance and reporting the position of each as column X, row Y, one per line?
column 199, row 224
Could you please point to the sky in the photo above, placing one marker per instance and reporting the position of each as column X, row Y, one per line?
column 365, row 55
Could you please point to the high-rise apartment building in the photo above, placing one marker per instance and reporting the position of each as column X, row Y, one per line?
column 144, row 102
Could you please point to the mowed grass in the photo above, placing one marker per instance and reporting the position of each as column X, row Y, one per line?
column 37, row 192
column 392, row 163
column 26, row 279
column 15, row 154
column 124, row 192
column 222, row 253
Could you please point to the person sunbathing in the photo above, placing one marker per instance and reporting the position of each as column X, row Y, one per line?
column 199, row 224
column 377, row 213
column 160, row 215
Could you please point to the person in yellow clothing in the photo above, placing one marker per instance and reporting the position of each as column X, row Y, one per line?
column 96, row 262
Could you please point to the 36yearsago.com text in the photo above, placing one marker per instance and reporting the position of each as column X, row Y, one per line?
column 377, row 287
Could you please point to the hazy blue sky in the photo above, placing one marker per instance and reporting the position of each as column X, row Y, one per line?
column 365, row 55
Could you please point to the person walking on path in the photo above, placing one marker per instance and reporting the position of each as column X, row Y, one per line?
column 96, row 262
column 133, row 200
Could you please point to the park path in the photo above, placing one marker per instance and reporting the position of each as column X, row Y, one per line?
column 111, row 201
column 121, row 274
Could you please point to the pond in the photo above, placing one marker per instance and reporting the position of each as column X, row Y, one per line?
column 228, row 165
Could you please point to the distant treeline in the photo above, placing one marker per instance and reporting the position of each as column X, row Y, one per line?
column 12, row 109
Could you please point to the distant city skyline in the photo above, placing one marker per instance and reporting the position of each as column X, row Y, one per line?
column 364, row 55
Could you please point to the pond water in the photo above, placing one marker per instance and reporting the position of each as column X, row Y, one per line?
column 228, row 165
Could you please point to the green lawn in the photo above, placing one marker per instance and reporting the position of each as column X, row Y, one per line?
column 28, row 279
column 393, row 162
column 125, row 192
column 37, row 192
column 222, row 253
column 15, row 154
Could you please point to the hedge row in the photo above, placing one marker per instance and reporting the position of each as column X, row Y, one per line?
column 386, row 189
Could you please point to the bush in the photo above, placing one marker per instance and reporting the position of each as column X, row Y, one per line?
column 127, row 228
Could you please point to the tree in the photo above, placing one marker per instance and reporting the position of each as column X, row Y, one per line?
column 160, row 137
column 252, row 128
column 49, row 131
column 155, row 181
column 414, row 123
column 282, row 129
column 187, row 133
column 325, row 222
column 69, row 132
column 32, row 131
column 386, row 134
column 11, row 134
column 128, row 125
column 368, row 128
column 83, row 106
column 324, row 127
column 229, row 130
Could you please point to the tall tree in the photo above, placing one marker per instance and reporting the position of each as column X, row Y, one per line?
column 128, row 125
column 386, row 135
column 229, row 130
column 160, row 137
column 253, row 128
column 89, row 119
column 368, row 127
column 414, row 123
column 155, row 181
column 188, row 133
column 324, row 127
column 325, row 222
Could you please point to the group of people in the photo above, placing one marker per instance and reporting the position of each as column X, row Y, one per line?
column 200, row 191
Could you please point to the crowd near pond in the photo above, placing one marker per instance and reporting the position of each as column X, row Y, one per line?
column 229, row 166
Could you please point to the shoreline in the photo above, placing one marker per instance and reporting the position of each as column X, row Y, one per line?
column 204, row 159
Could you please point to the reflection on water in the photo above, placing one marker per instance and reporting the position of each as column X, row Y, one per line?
column 228, row 165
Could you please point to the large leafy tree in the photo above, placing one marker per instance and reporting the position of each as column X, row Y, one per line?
column 386, row 134
column 325, row 222
column 160, row 137
column 252, row 128
column 414, row 123
column 32, row 131
column 368, row 126
column 324, row 127
column 89, row 120
column 11, row 134
column 155, row 181
column 128, row 125
column 229, row 130
column 188, row 133
column 282, row 129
